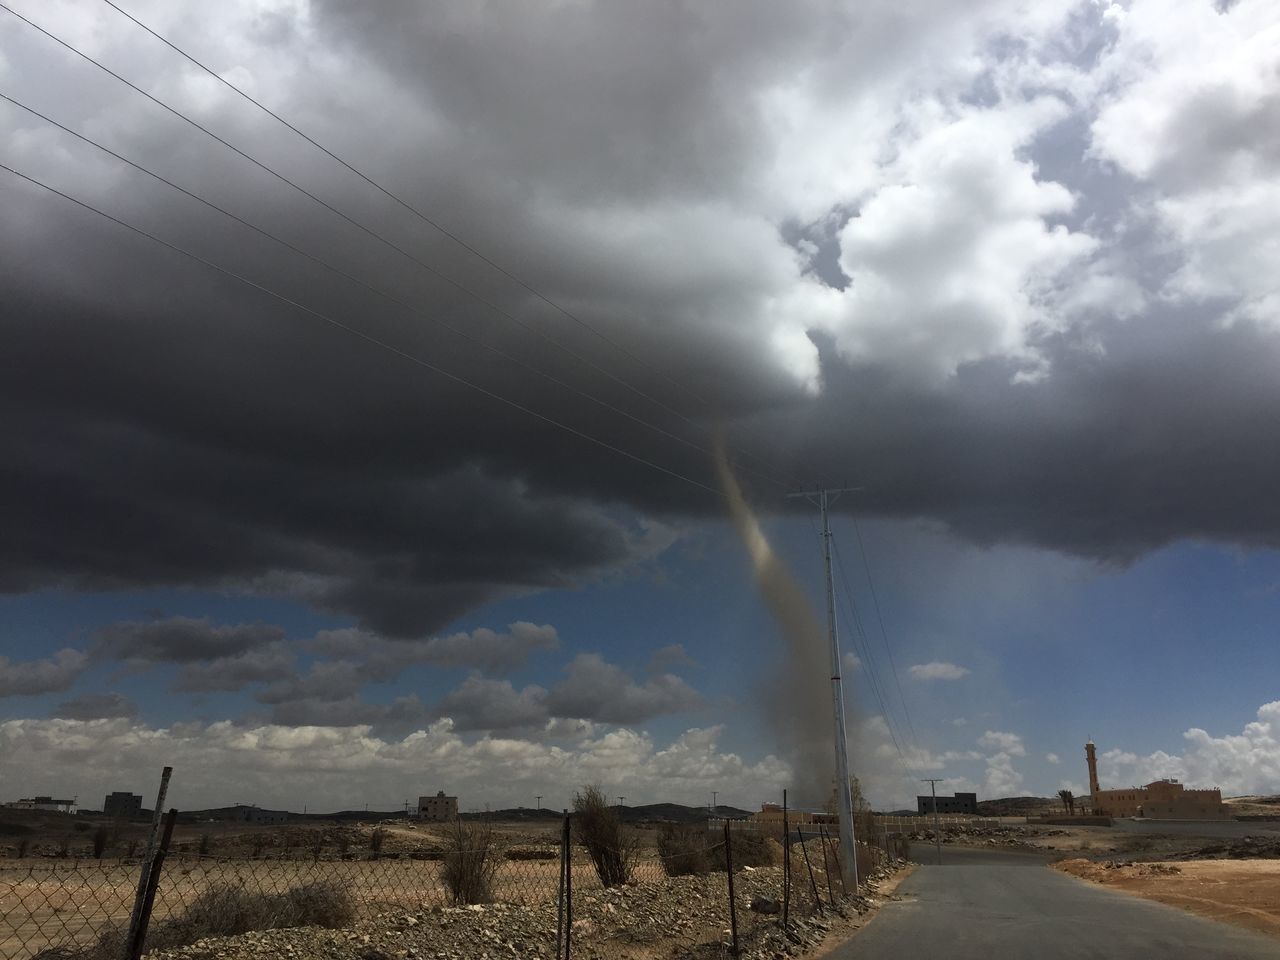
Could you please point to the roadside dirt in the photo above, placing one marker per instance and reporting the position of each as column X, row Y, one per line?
column 1242, row 892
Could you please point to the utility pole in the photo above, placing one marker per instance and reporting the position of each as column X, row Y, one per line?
column 620, row 799
column 714, row 806
column 539, row 799
column 937, row 830
column 823, row 499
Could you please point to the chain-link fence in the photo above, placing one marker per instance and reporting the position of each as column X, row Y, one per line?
column 679, row 898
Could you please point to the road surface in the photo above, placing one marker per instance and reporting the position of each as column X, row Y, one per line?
column 981, row 905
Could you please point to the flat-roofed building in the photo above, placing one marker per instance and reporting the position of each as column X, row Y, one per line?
column 958, row 803
column 122, row 805
column 438, row 808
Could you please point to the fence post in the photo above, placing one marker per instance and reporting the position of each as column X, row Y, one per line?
column 733, row 907
column 144, row 875
column 826, row 862
column 564, row 859
column 813, row 884
column 153, row 882
column 568, row 885
column 786, row 864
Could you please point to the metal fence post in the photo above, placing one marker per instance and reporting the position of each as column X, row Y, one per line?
column 568, row 886
column 786, row 864
column 733, row 908
column 813, row 884
column 564, row 866
column 144, row 874
column 153, row 882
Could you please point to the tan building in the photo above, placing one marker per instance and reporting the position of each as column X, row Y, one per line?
column 771, row 813
column 439, row 807
column 1158, row 800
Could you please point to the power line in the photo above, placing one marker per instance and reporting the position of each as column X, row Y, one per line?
column 884, row 635
column 452, row 328
column 365, row 229
column 411, row 208
column 872, row 669
column 367, row 337
column 860, row 642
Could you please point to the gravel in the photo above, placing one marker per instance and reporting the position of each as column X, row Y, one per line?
column 672, row 917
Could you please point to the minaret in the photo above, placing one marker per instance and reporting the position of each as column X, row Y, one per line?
column 1092, row 756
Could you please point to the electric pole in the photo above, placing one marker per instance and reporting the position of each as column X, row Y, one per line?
column 714, row 806
column 823, row 499
column 539, row 799
column 937, row 830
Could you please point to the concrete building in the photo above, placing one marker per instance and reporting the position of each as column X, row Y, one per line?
column 49, row 804
column 1157, row 800
column 438, row 807
column 122, row 805
column 247, row 813
column 959, row 803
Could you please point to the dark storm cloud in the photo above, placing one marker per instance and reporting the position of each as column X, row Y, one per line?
column 269, row 663
column 96, row 706
column 488, row 650
column 182, row 640
column 165, row 426
column 29, row 678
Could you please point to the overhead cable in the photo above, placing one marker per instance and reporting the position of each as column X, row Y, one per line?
column 368, row 337
column 392, row 298
column 463, row 288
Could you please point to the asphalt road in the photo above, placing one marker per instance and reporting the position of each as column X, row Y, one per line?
column 987, row 905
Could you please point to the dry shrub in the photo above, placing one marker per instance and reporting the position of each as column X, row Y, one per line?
column 598, row 827
column 683, row 850
column 100, row 837
column 750, row 849
column 470, row 862
column 226, row 911
column 377, row 838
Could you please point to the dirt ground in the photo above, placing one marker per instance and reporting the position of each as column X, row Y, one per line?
column 1242, row 892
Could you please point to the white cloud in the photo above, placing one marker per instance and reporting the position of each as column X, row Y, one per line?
column 937, row 670
column 348, row 766
column 851, row 661
column 1192, row 109
column 1052, row 758
column 1009, row 743
column 1243, row 763
column 1001, row 779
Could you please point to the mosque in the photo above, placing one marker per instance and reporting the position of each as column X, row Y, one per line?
column 1158, row 800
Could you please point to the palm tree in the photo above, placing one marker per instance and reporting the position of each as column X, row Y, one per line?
column 1068, row 800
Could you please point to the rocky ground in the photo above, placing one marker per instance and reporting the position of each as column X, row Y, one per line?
column 673, row 917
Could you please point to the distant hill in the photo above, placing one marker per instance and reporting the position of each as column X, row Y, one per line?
column 645, row 813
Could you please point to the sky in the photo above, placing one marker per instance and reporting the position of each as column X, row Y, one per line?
column 344, row 468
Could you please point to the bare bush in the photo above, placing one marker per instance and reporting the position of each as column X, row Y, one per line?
column 226, row 911
column 23, row 845
column 598, row 827
column 683, row 850
column 100, row 837
column 469, row 863
column 377, row 838
column 206, row 844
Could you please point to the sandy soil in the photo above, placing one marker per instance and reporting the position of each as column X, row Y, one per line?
column 1242, row 892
